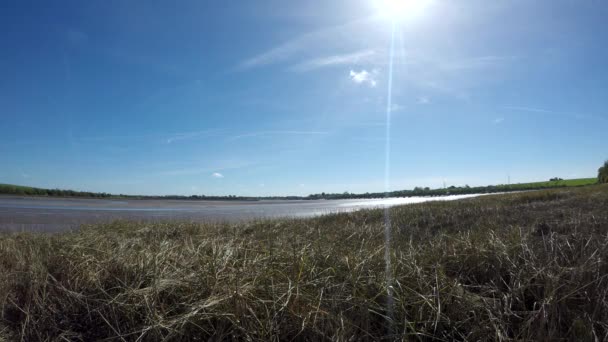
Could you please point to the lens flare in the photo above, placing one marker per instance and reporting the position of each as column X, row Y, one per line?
column 401, row 10
column 387, row 164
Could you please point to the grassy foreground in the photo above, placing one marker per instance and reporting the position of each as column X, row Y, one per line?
column 503, row 267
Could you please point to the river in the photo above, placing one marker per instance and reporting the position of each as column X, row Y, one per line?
column 59, row 214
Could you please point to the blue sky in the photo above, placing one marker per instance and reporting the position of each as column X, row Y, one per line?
column 289, row 97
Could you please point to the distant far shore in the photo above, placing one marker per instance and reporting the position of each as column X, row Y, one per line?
column 27, row 191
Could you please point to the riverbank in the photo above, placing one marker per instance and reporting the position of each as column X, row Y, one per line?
column 519, row 266
column 19, row 190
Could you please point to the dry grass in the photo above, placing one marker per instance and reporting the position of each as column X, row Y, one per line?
column 508, row 267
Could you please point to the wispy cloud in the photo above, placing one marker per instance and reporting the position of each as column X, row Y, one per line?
column 188, row 170
column 273, row 55
column 167, row 138
column 442, row 86
column 455, row 76
column 498, row 121
column 556, row 113
column 297, row 44
column 477, row 62
column 358, row 57
column 423, row 100
column 117, row 137
column 395, row 107
column 75, row 36
column 271, row 133
column 217, row 175
column 438, row 72
column 529, row 109
column 193, row 135
column 190, row 135
column 364, row 77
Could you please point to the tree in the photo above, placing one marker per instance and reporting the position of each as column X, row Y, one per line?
column 602, row 173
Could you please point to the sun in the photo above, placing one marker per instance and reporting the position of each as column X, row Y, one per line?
column 400, row 10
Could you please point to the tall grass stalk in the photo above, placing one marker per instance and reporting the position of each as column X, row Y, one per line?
column 505, row 267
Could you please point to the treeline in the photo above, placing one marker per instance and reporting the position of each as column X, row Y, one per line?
column 418, row 191
column 30, row 191
column 461, row 190
column 10, row 189
column 602, row 173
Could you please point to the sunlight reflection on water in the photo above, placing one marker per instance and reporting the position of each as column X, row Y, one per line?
column 57, row 214
column 407, row 200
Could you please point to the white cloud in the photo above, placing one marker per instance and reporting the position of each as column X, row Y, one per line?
column 424, row 100
column 328, row 61
column 498, row 121
column 435, row 69
column 217, row 175
column 364, row 77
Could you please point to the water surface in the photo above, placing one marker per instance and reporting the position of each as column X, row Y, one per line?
column 57, row 214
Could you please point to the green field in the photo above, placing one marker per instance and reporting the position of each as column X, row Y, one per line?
column 521, row 266
column 554, row 184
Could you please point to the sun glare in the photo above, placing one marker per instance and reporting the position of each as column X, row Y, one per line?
column 401, row 10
